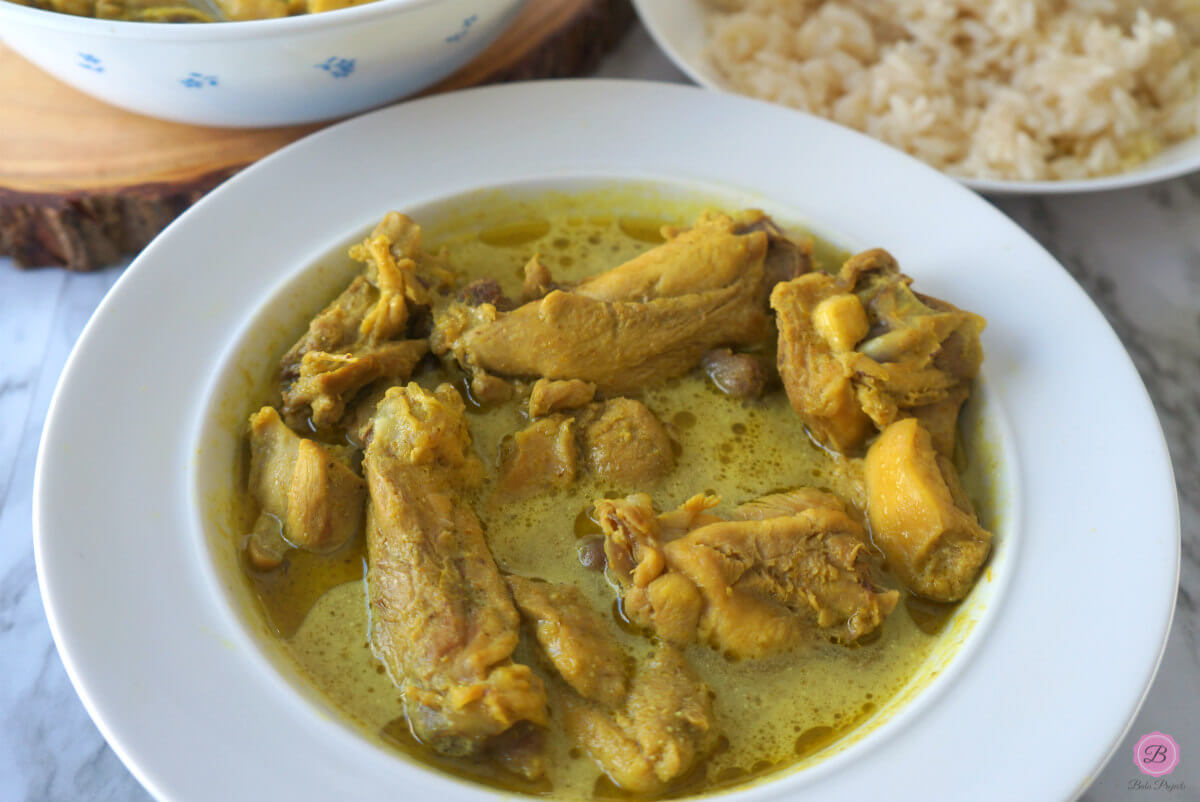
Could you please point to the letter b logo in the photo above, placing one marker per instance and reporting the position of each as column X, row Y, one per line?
column 1156, row 754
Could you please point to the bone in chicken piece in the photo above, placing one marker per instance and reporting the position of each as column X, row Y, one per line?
column 335, row 327
column 643, row 732
column 920, row 516
column 818, row 384
column 861, row 350
column 390, row 257
column 442, row 618
column 359, row 338
column 308, row 488
column 576, row 640
column 642, row 322
column 748, row 587
column 664, row 727
column 327, row 382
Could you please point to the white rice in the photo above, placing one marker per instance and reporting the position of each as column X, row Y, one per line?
column 1010, row 89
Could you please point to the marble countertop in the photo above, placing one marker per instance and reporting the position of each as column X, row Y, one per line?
column 1136, row 253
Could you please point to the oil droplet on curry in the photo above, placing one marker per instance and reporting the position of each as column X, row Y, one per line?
column 593, row 506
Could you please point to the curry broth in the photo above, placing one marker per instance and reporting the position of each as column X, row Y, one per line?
column 775, row 711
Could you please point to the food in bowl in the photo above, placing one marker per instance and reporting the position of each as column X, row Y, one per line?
column 1007, row 89
column 193, row 11
column 264, row 73
column 583, row 505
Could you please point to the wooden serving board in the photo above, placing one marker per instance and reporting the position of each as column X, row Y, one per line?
column 82, row 182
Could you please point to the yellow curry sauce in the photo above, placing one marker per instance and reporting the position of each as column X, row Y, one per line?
column 773, row 712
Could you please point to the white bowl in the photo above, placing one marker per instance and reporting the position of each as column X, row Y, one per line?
column 157, row 629
column 262, row 72
column 678, row 26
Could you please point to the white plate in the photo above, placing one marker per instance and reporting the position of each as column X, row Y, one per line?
column 678, row 26
column 146, row 616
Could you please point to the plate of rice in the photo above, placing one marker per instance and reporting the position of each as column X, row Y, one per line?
column 1007, row 96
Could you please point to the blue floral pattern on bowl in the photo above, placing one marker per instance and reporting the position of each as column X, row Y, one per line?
column 337, row 67
column 197, row 80
column 462, row 32
column 90, row 62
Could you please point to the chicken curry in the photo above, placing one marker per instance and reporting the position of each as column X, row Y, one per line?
column 188, row 10
column 589, row 509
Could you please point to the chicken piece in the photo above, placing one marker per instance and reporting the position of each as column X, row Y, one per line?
column 642, row 322
column 541, row 456
column 620, row 440
column 336, row 326
column 314, row 497
column 920, row 516
column 691, row 514
column 619, row 346
column 625, row 443
column 921, row 351
column 736, row 375
column 373, row 307
column 747, row 587
column 577, row 641
column 710, row 255
column 861, row 350
column 633, row 538
column 552, row 396
column 402, row 233
column 776, row 505
column 663, row 729
column 667, row 603
column 442, row 619
column 643, row 733
column 487, row 389
column 397, row 284
column 818, row 384
column 131, row 10
column 328, row 381
column 361, row 414
column 356, row 340
column 404, row 238
column 538, row 281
